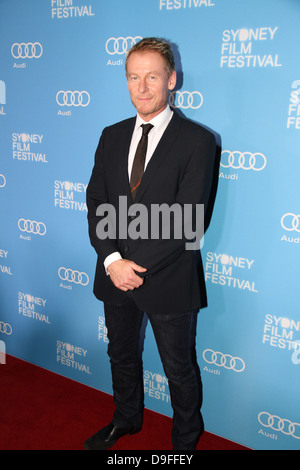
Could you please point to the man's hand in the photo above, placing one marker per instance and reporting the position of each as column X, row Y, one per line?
column 122, row 274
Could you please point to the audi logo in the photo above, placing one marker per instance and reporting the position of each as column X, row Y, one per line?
column 67, row 274
column 120, row 45
column 279, row 424
column 26, row 51
column 2, row 181
column 186, row 99
column 244, row 160
column 5, row 328
column 224, row 360
column 32, row 226
column 73, row 98
column 290, row 222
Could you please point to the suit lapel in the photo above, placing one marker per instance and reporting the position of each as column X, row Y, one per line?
column 159, row 154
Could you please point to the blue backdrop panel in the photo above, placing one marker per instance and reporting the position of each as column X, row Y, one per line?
column 62, row 81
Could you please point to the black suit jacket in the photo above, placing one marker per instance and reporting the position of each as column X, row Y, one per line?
column 180, row 171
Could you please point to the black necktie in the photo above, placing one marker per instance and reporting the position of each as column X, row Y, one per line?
column 139, row 160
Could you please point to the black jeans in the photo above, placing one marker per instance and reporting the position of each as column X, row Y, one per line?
column 175, row 339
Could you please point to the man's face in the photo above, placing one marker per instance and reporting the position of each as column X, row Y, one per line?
column 148, row 83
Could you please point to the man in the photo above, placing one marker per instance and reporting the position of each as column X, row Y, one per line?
column 156, row 275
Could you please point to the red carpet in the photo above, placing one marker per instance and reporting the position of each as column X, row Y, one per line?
column 41, row 410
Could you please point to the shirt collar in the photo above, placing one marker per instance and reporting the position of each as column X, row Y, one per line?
column 158, row 121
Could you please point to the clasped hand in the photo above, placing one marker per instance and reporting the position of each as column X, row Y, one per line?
column 123, row 275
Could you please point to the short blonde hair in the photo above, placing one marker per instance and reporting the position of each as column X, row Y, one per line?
column 159, row 45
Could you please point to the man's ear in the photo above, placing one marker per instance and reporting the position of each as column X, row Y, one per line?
column 172, row 80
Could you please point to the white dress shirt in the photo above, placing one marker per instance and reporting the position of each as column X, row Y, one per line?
column 160, row 123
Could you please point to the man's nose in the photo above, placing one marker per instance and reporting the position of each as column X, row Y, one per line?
column 142, row 86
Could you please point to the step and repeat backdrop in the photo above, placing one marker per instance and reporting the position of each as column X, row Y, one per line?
column 62, row 81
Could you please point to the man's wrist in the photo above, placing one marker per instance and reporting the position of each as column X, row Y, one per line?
column 110, row 259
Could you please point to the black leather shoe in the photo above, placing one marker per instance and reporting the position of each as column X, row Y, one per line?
column 108, row 436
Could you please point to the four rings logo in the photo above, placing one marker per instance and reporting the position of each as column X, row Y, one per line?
column 67, row 274
column 120, row 45
column 224, row 360
column 5, row 328
column 73, row 98
column 32, row 226
column 31, row 50
column 244, row 160
column 290, row 222
column 186, row 99
column 279, row 424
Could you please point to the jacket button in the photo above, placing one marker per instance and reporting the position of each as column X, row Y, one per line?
column 126, row 249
